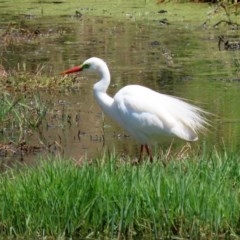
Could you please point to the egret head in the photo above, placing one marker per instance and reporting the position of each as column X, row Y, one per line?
column 92, row 64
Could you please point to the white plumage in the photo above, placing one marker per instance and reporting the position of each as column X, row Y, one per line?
column 144, row 113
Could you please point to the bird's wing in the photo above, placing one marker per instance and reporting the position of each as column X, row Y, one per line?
column 151, row 114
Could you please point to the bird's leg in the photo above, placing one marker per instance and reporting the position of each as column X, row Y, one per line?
column 148, row 152
column 141, row 152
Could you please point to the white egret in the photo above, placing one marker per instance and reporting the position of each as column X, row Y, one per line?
column 142, row 112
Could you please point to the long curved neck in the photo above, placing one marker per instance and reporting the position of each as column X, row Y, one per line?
column 100, row 90
column 103, row 84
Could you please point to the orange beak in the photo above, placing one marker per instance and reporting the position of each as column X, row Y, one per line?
column 72, row 70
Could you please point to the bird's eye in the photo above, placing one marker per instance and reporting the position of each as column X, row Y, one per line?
column 86, row 66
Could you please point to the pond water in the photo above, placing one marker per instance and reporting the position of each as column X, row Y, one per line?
column 180, row 58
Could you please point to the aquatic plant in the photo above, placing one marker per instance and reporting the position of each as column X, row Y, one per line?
column 21, row 114
column 6, row 105
column 33, row 114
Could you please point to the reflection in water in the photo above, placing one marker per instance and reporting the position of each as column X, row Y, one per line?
column 170, row 59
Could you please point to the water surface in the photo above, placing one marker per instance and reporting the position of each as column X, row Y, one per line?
column 179, row 58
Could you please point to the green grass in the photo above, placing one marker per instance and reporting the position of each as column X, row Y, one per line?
column 134, row 10
column 196, row 197
column 21, row 113
column 6, row 106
